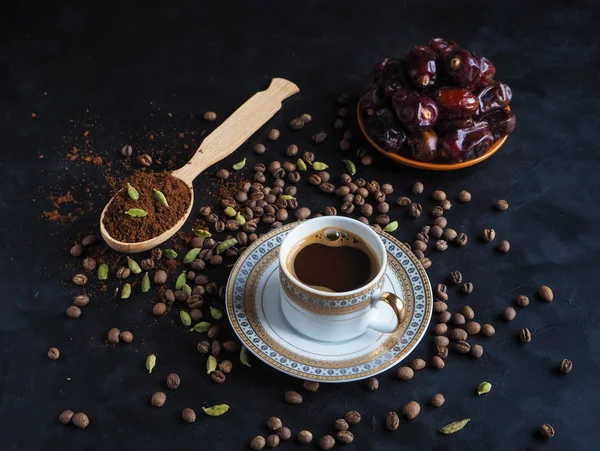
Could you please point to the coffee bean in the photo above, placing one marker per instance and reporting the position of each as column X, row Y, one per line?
column 439, row 307
column 273, row 134
column 545, row 293
column 292, row 397
column 358, row 200
column 292, row 150
column 415, row 210
column 145, row 160
column 392, row 421
column 258, row 442
column 546, row 430
column 218, row 376
column 425, row 262
column 467, row 288
column 387, row 189
column 76, row 250
column 437, row 211
column 419, row 254
column 449, row 234
column 302, row 213
column 73, row 312
column 441, row 245
column 446, row 205
column 372, row 384
column 473, row 328
column 341, row 425
column 442, row 351
column 566, row 366
column 458, row 319
column 126, row 151
column 345, row 437
column 159, row 309
column 126, row 336
column 347, row 208
column 418, row 364
column 456, row 277
column 524, row 335
column 274, row 423
column 441, row 222
column 66, row 416
column 89, row 264
column 458, row 334
column 169, row 296
column 382, row 219
column 437, row 400
column 352, row 417
column 305, row 437
column 259, row 149
column 462, row 347
column 438, row 195
column 203, row 347
column 488, row 235
column 213, row 332
column 222, row 174
column 464, row 196
column 411, row 410
column 319, row 137
column 461, row 239
column 327, row 442
column 503, row 246
column 81, row 300
column 509, row 314
column 294, row 177
column 440, row 340
column 89, row 240
column 311, row 386
column 284, row 433
column 306, row 118
column 367, row 160
column 383, row 207
column 487, row 330
column 440, row 329
column 113, row 336
column 437, row 362
column 501, row 205
column 272, row 440
column 80, row 420
column 403, row 201
column 330, row 211
column 468, row 312
column 476, row 351
column 445, row 317
column 210, row 116
column 290, row 191
column 363, row 220
column 405, row 373
column 296, row 124
column 441, row 296
column 418, row 188
column 53, row 354
column 80, row 279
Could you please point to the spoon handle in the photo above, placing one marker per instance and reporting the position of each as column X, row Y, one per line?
column 237, row 128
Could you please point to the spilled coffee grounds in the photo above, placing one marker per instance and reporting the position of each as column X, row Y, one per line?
column 159, row 219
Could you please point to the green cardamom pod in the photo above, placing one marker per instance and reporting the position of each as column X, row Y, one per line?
column 287, row 197
column 161, row 198
column 244, row 356
column 136, row 213
column 146, row 283
column 211, row 364
column 150, row 362
column 201, row 232
column 216, row 313
column 318, row 166
column 216, row 411
column 180, row 282
column 484, row 388
column 187, row 289
column 224, row 245
column 454, row 427
column 103, row 271
column 239, row 165
column 350, row 167
column 170, row 253
column 201, row 327
column 230, row 211
column 191, row 255
column 126, row 291
column 301, row 164
column 240, row 219
column 132, row 192
column 185, row 317
column 391, row 227
column 133, row 266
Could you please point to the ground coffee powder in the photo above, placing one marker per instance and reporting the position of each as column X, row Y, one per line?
column 129, row 229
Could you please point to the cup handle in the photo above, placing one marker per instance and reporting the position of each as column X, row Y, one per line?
column 397, row 305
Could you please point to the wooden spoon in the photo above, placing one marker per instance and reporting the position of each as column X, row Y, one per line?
column 221, row 143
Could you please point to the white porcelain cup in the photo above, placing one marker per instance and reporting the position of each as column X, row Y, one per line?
column 332, row 316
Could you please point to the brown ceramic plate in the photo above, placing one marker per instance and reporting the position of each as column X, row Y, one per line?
column 432, row 166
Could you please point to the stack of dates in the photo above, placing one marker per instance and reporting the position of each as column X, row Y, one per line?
column 439, row 101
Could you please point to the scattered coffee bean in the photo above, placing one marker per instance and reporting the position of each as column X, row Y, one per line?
column 405, row 373
column 80, row 420
column 311, row 386
column 440, row 222
column 126, row 151
column 204, row 347
column 440, row 329
column 411, row 410
column 352, row 417
column 302, row 213
column 345, row 437
column 449, row 234
column 441, row 245
column 476, row 351
column 403, row 201
column 546, row 430
column 53, row 353
column 438, row 195
column 425, row 262
column 272, row 440
column 488, row 235
column 225, row 366
column 464, row 196
column 284, row 433
column 415, row 210
column 458, row 334
column 341, row 425
column 89, row 264
column 305, row 437
column 274, row 423
column 173, row 381
column 89, row 240
column 259, row 149
column 372, row 384
column 258, row 442
column 418, row 188
column 126, row 336
column 81, row 300
column 437, row 211
column 66, row 416
column 113, row 336
column 418, row 364
column 445, row 317
column 441, row 296
column 158, row 399
column 159, row 309
column 501, row 205
column 273, row 134
column 446, row 205
column 566, row 366
column 223, row 174
column 296, row 123
column 524, row 335
column 487, row 330
column 503, row 246
column 218, row 376
column 210, row 116
column 437, row 400
column 327, row 442
column 440, row 340
column 292, row 397
column 123, row 273
column 509, row 314
column 392, row 421
column 546, row 293
column 73, row 312
column 456, row 277
column 319, row 137
column 145, row 160
column 439, row 307
column 467, row 288
column 473, row 328
column 468, row 312
column 462, row 347
column 442, row 351
column 461, row 239
column 458, row 319
column 437, row 362
column 80, row 279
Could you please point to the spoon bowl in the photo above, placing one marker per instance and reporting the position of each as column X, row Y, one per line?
column 221, row 143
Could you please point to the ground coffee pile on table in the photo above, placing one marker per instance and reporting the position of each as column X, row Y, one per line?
column 160, row 218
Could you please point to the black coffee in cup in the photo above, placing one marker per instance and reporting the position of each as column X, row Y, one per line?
column 333, row 260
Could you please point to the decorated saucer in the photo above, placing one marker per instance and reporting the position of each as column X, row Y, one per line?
column 254, row 310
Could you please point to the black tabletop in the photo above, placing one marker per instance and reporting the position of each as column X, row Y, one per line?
column 125, row 72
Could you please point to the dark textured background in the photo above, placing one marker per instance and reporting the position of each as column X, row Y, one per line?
column 118, row 70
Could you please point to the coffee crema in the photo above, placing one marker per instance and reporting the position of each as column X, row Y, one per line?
column 333, row 260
